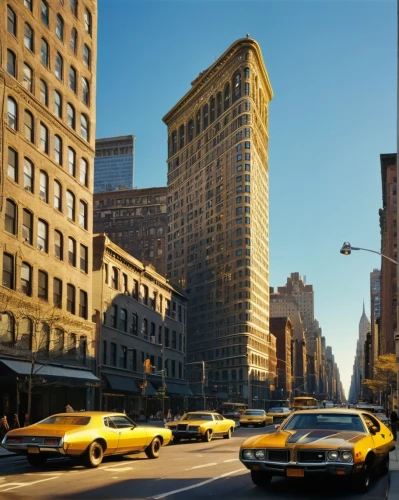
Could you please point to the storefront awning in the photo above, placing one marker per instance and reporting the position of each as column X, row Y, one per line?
column 55, row 374
column 180, row 389
column 124, row 384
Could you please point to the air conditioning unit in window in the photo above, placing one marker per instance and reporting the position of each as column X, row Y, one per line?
column 152, row 339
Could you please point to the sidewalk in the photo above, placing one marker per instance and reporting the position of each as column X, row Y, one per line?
column 393, row 493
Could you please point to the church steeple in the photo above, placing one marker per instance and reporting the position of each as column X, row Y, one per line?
column 364, row 311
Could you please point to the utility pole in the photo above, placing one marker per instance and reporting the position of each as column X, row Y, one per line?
column 203, row 384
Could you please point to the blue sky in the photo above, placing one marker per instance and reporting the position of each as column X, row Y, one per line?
column 332, row 67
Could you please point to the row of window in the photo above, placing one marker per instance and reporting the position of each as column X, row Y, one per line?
column 209, row 112
column 26, row 286
column 11, row 225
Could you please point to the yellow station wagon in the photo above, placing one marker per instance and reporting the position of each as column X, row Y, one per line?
column 86, row 435
column 203, row 425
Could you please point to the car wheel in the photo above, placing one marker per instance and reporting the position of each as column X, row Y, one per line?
column 260, row 478
column 228, row 435
column 94, row 455
column 153, row 450
column 264, row 423
column 361, row 480
column 207, row 436
column 384, row 467
column 36, row 460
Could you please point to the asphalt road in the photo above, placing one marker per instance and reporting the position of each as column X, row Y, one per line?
column 189, row 469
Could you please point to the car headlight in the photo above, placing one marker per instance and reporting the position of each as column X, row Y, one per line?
column 346, row 456
column 248, row 454
column 332, row 455
column 260, row 454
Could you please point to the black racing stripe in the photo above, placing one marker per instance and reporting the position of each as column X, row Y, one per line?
column 305, row 436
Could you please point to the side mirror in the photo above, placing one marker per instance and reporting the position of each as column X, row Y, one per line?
column 277, row 426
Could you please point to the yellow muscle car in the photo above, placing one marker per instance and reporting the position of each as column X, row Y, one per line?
column 203, row 425
column 279, row 413
column 255, row 417
column 315, row 442
column 86, row 435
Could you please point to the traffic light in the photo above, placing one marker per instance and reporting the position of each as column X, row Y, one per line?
column 147, row 365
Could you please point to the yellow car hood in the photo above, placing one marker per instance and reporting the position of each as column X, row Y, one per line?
column 189, row 422
column 304, row 437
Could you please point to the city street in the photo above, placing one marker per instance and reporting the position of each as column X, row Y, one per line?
column 193, row 469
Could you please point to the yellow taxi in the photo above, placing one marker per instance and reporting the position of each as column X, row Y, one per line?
column 86, row 435
column 255, row 417
column 204, row 425
column 313, row 443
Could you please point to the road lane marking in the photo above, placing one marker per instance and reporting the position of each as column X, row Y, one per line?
column 23, row 485
column 231, row 460
column 163, row 495
column 121, row 469
column 201, row 466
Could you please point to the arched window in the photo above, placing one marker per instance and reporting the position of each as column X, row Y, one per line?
column 57, row 196
column 12, row 113
column 27, row 226
column 115, row 278
column 57, row 293
column 72, row 252
column 59, row 27
column 11, row 21
column 11, row 63
column 43, row 92
column 28, row 37
column 212, row 110
column 57, row 104
column 181, row 137
column 58, row 149
column 72, row 341
column 11, row 217
column 71, row 116
column 12, row 168
column 29, row 126
column 205, row 116
column 44, row 138
column 25, row 330
column 43, row 190
column 84, row 171
column 71, row 162
column 70, row 197
column 83, row 214
column 59, row 66
column 237, row 86
column 87, row 21
column 218, row 104
column 174, row 142
column 227, row 96
column 74, row 40
column 86, row 56
column 58, row 245
column 72, row 79
column 44, row 339
column 28, row 175
column 84, row 127
column 247, row 73
column 58, row 341
column 42, row 285
column 7, row 329
column 73, row 4
column 44, row 52
column 28, row 78
column 85, row 91
column 83, row 304
column 190, row 131
column 26, row 278
column 198, row 122
column 42, row 235
column 44, row 12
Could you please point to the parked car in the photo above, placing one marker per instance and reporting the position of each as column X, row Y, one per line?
column 232, row 410
column 86, row 435
column 255, row 417
column 279, row 413
column 203, row 425
column 338, row 442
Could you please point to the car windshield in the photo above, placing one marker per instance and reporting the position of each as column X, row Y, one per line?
column 330, row 421
column 305, row 402
column 65, row 420
column 254, row 412
column 197, row 416
column 278, row 410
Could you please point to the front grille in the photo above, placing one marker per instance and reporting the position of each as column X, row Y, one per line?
column 279, row 456
column 181, row 427
column 311, row 456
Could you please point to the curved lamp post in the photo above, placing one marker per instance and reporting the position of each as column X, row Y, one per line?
column 347, row 249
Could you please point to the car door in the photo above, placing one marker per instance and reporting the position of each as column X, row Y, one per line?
column 111, row 435
column 129, row 440
column 380, row 439
column 224, row 424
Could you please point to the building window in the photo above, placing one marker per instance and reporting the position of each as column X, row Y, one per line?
column 84, row 127
column 57, row 292
column 58, row 245
column 11, row 63
column 123, row 320
column 71, row 299
column 28, row 4
column 44, row 12
column 29, row 127
column 28, row 78
column 59, row 66
column 58, row 340
column 104, row 352
column 71, row 161
column 11, row 21
column 27, row 226
column 43, row 188
column 11, row 217
column 42, row 235
column 113, row 354
column 57, row 196
column 43, row 92
column 85, row 91
column 72, row 252
column 219, row 104
column 28, row 175
column 59, row 27
column 144, row 327
column 133, row 326
column 12, row 170
column 72, row 79
column 84, row 258
column 74, row 40
column 42, row 285
column 8, row 271
column 114, row 315
column 57, row 104
column 44, row 52
column 70, row 197
column 205, row 116
column 212, row 109
column 114, row 278
column 83, row 174
column 44, row 142
column 74, row 6
column 87, row 21
column 237, row 86
column 86, row 56
column 26, row 278
column 58, row 149
column 82, row 214
column 71, row 116
column 226, row 97
column 83, row 304
column 12, row 109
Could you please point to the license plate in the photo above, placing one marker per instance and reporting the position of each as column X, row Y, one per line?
column 33, row 449
column 295, row 472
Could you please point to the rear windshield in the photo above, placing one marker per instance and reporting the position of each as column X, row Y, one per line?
column 305, row 402
column 254, row 412
column 279, row 410
column 66, row 420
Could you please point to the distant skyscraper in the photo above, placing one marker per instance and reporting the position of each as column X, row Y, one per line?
column 375, row 306
column 114, row 163
column 364, row 327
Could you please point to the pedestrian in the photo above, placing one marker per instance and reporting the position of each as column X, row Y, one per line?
column 169, row 416
column 4, row 427
column 15, row 424
column 394, row 422
column 68, row 408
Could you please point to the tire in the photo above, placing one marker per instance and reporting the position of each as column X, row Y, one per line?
column 361, row 480
column 94, row 455
column 228, row 435
column 207, row 436
column 154, row 448
column 260, row 478
column 36, row 460
column 384, row 467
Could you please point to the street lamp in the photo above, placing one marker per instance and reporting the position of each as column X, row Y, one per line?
column 347, row 249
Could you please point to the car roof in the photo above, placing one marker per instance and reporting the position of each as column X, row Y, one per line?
column 343, row 411
column 202, row 412
column 89, row 414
